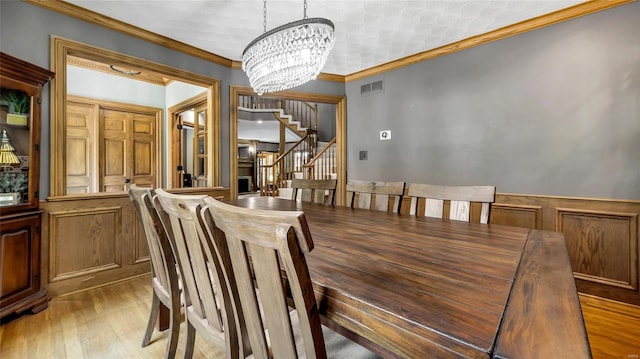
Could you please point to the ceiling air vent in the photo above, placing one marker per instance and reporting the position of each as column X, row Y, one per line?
column 371, row 88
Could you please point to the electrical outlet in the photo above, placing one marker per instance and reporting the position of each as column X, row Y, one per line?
column 363, row 155
column 385, row 135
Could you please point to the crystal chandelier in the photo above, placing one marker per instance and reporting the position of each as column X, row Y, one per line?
column 288, row 55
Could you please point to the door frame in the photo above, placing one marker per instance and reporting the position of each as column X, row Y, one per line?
column 175, row 179
column 341, row 133
column 61, row 48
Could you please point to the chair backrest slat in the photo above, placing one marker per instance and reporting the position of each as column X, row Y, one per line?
column 202, row 272
column 262, row 245
column 380, row 196
column 160, row 252
column 434, row 200
column 315, row 191
column 434, row 207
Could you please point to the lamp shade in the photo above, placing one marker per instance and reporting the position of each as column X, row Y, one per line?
column 7, row 155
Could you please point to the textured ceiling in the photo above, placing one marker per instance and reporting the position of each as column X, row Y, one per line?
column 368, row 32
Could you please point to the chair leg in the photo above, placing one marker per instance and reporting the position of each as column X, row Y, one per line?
column 174, row 329
column 153, row 317
column 191, row 340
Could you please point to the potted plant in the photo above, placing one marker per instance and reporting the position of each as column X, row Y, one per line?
column 19, row 106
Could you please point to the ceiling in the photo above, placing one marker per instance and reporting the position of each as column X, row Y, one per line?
column 267, row 130
column 368, row 33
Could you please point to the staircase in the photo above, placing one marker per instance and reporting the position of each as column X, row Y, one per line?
column 305, row 159
column 323, row 164
column 298, row 116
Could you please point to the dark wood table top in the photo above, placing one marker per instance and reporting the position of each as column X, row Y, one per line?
column 419, row 287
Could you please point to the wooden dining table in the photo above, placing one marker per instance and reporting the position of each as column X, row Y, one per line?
column 419, row 287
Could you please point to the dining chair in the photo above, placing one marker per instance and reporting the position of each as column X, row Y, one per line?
column 205, row 301
column 165, row 280
column 453, row 202
column 267, row 252
column 312, row 190
column 380, row 196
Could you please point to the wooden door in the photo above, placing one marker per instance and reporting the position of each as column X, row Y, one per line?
column 114, row 149
column 144, row 151
column 127, row 150
column 82, row 163
column 200, row 143
column 178, row 166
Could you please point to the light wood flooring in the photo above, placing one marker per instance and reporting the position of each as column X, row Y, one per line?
column 106, row 322
column 109, row 322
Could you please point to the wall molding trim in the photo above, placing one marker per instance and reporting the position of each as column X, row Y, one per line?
column 102, row 250
column 584, row 8
column 569, row 13
column 601, row 235
column 96, row 239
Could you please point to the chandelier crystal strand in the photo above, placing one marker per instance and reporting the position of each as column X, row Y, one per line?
column 289, row 55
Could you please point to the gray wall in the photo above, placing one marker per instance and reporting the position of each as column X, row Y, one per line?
column 26, row 30
column 554, row 111
column 326, row 122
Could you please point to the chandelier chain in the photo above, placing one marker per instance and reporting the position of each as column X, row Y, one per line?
column 305, row 9
column 264, row 13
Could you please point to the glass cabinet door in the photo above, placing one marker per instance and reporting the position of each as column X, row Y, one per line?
column 20, row 97
column 15, row 139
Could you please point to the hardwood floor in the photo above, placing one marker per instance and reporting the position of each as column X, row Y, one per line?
column 109, row 322
column 613, row 327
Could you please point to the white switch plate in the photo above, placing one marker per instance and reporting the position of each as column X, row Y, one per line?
column 385, row 135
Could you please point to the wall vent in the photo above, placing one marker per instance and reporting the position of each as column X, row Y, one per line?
column 365, row 89
column 371, row 88
column 376, row 86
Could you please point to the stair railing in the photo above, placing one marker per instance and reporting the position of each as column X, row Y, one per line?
column 323, row 165
column 274, row 175
column 300, row 111
column 258, row 103
column 266, row 175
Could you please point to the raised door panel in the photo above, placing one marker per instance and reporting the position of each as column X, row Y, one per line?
column 81, row 162
column 20, row 258
column 15, row 253
column 144, row 151
column 114, row 151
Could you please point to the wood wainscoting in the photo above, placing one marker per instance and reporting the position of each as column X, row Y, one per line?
column 93, row 240
column 601, row 236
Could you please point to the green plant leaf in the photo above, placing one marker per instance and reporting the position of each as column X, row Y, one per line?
column 19, row 99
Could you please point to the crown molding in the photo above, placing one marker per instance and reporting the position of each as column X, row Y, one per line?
column 145, row 75
column 572, row 12
column 128, row 29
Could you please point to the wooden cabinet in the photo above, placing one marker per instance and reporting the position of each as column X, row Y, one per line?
column 20, row 106
column 20, row 283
